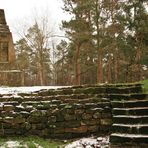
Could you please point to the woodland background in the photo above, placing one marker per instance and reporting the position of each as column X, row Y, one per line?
column 104, row 41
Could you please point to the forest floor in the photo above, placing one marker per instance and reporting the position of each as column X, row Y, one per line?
column 29, row 142
column 36, row 142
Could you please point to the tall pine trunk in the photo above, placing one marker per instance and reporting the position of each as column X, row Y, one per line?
column 109, row 70
column 77, row 65
column 100, row 69
column 116, row 69
column 41, row 75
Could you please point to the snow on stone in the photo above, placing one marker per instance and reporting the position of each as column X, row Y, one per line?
column 16, row 90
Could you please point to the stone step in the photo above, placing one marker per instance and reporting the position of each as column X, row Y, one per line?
column 102, row 89
column 130, row 111
column 128, row 138
column 126, row 119
column 127, row 97
column 124, row 90
column 132, row 103
column 130, row 128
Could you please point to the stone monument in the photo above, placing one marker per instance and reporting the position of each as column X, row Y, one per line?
column 9, row 73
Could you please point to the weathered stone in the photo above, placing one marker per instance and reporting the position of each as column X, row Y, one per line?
column 69, row 117
column 55, row 111
column 9, row 131
column 37, row 119
column 106, row 115
column 1, row 107
column 95, row 90
column 26, row 126
column 96, row 99
column 91, row 122
column 90, row 105
column 53, row 106
column 38, row 126
column 29, row 108
column 56, row 102
column 52, row 119
column 78, row 117
column 44, row 133
column 81, row 129
column 1, row 132
column 43, row 112
column 78, row 91
column 36, row 113
column 67, row 91
column 41, row 107
column 106, row 121
column 68, row 124
column 97, row 115
column 8, row 119
column 19, row 108
column 35, row 132
column 24, row 114
column 93, row 129
column 1, row 119
column 5, row 125
column 67, row 111
column 9, row 114
column 59, row 130
column 68, row 106
column 18, row 98
column 19, row 119
column 79, row 111
column 86, row 116
column 60, row 117
column 8, row 107
column 45, row 93
column 79, row 106
column 62, row 105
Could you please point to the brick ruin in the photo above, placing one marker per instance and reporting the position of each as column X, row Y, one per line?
column 9, row 74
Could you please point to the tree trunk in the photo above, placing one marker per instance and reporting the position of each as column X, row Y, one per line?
column 109, row 70
column 23, row 78
column 77, row 65
column 116, row 69
column 41, row 79
column 100, row 69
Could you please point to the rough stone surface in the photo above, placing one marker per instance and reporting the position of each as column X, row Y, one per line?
column 57, row 114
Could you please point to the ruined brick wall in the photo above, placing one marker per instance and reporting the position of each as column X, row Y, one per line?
column 6, row 38
column 62, row 113
column 9, row 73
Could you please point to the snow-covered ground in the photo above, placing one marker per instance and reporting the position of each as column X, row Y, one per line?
column 17, row 144
column 16, row 90
column 91, row 142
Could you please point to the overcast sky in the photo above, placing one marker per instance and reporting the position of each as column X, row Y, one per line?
column 17, row 9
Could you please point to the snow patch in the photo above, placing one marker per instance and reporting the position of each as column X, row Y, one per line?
column 92, row 142
column 17, row 90
column 13, row 144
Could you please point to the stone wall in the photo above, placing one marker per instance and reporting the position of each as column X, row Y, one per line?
column 61, row 113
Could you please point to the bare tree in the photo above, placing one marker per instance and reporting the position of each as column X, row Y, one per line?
column 38, row 39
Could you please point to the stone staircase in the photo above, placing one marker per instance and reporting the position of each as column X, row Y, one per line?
column 130, row 119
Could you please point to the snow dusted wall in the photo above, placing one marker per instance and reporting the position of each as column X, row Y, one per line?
column 61, row 113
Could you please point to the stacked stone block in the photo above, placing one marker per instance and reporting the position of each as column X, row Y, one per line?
column 130, row 120
column 61, row 113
